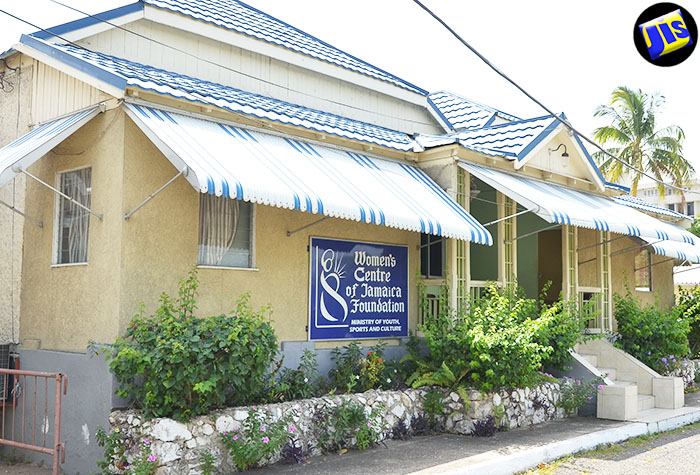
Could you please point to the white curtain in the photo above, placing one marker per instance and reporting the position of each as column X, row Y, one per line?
column 76, row 220
column 218, row 222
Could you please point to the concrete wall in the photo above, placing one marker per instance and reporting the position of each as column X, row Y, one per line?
column 85, row 407
column 622, row 267
column 159, row 246
column 134, row 261
column 15, row 118
column 65, row 307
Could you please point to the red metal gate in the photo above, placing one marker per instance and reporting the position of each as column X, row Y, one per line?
column 17, row 411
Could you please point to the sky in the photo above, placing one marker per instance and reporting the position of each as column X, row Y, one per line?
column 569, row 55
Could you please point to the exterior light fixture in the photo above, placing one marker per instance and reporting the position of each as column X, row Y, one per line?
column 565, row 154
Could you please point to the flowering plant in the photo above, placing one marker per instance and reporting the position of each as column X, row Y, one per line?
column 577, row 392
column 369, row 434
column 682, row 368
column 260, row 438
column 145, row 463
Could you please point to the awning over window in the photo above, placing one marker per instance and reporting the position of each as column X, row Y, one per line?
column 280, row 171
column 562, row 205
column 35, row 144
column 678, row 250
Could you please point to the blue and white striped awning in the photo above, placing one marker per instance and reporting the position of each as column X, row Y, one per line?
column 281, row 171
column 559, row 204
column 35, row 144
column 678, row 250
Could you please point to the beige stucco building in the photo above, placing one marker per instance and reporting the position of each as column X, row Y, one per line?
column 69, row 277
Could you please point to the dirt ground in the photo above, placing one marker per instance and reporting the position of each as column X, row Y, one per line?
column 8, row 468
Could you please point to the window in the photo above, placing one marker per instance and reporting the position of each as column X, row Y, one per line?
column 73, row 222
column 225, row 230
column 431, row 255
column 671, row 207
column 642, row 271
column 691, row 208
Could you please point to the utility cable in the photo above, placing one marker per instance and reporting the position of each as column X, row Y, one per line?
column 227, row 68
column 549, row 111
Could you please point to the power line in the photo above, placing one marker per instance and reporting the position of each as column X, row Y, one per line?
column 549, row 111
column 241, row 73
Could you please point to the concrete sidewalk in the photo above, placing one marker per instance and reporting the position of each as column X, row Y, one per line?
column 505, row 453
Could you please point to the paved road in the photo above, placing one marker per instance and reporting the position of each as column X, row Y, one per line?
column 674, row 453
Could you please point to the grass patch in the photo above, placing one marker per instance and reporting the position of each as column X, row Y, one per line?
column 548, row 469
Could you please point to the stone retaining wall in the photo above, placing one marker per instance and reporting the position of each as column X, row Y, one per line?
column 179, row 446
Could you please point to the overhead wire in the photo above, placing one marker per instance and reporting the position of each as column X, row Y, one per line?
column 228, row 68
column 566, row 123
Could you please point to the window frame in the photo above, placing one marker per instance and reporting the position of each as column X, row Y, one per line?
column 442, row 242
column 56, row 246
column 252, row 266
column 648, row 266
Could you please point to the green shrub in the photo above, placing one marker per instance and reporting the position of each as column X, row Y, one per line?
column 260, row 438
column 688, row 304
column 189, row 365
column 577, row 392
column 342, row 427
column 356, row 372
column 649, row 334
column 502, row 339
column 299, row 383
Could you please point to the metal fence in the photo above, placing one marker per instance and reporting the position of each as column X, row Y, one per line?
column 28, row 404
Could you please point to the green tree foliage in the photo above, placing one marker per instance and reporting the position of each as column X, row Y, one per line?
column 648, row 333
column 688, row 307
column 635, row 139
column 174, row 364
column 695, row 227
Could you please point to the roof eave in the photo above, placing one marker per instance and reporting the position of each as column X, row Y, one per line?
column 112, row 84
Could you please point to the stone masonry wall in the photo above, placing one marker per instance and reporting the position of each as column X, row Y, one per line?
column 178, row 446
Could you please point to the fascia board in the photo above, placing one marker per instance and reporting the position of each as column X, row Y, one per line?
column 112, row 84
column 279, row 53
column 519, row 163
column 92, row 25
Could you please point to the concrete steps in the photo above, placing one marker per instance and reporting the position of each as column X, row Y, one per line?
column 645, row 402
column 629, row 386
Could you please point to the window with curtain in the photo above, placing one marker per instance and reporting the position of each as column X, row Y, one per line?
column 225, row 227
column 642, row 270
column 73, row 221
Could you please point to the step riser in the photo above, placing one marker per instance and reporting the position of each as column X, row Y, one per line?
column 645, row 403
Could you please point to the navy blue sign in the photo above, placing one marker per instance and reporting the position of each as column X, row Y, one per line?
column 358, row 290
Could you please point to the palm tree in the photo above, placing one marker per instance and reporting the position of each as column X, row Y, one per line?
column 636, row 141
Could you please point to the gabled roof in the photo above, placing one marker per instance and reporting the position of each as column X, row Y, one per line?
column 513, row 140
column 120, row 73
column 458, row 113
column 635, row 202
column 242, row 18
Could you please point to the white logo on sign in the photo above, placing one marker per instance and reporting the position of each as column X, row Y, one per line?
column 332, row 273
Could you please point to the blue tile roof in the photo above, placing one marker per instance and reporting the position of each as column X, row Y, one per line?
column 460, row 113
column 635, row 202
column 513, row 140
column 121, row 72
column 237, row 16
